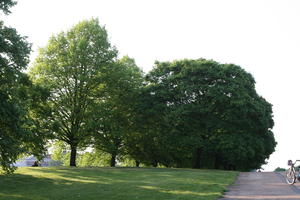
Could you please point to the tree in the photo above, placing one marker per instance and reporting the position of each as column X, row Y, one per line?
column 5, row 5
column 60, row 153
column 279, row 169
column 207, row 115
column 114, row 116
column 16, row 134
column 148, row 141
column 61, row 156
column 95, row 158
column 71, row 67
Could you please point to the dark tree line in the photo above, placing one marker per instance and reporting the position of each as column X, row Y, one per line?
column 202, row 114
column 186, row 113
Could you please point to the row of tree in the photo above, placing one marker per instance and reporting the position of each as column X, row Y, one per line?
column 186, row 113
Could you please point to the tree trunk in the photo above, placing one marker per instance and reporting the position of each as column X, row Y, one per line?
column 217, row 162
column 137, row 163
column 73, row 155
column 154, row 163
column 198, row 158
column 113, row 160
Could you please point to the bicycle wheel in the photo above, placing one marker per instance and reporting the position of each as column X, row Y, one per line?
column 290, row 176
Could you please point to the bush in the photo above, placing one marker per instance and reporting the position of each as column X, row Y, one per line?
column 279, row 169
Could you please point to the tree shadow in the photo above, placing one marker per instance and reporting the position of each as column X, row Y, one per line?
column 32, row 187
column 107, row 183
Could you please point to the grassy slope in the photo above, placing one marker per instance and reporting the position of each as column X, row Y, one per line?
column 114, row 184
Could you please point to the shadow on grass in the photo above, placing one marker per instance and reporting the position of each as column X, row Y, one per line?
column 109, row 184
column 28, row 187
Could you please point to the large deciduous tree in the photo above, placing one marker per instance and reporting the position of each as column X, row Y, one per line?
column 72, row 67
column 114, row 116
column 16, row 126
column 207, row 115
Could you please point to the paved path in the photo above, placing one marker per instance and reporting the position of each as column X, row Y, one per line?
column 262, row 186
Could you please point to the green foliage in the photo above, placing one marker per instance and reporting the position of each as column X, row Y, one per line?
column 6, row 4
column 187, row 113
column 71, row 67
column 199, row 113
column 16, row 125
column 115, row 184
column 61, row 153
column 126, row 161
column 279, row 169
column 95, row 158
column 114, row 114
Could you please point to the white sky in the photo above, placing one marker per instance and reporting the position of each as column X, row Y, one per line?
column 261, row 36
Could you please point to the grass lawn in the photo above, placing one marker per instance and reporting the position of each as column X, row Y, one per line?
column 114, row 184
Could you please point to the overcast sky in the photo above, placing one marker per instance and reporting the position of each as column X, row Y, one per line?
column 261, row 36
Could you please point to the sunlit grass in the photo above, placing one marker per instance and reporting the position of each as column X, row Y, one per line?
column 114, row 184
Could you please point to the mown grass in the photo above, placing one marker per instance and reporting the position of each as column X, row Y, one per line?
column 114, row 184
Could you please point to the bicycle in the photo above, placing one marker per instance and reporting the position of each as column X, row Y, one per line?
column 292, row 174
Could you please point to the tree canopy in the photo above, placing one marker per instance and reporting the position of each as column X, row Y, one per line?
column 114, row 114
column 71, row 67
column 204, row 114
column 185, row 113
column 5, row 5
column 16, row 125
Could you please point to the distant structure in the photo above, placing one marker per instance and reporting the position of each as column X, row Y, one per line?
column 29, row 161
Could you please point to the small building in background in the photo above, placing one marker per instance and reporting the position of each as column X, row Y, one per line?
column 30, row 160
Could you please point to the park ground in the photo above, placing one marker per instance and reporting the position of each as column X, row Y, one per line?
column 29, row 183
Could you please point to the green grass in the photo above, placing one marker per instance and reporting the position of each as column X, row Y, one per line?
column 114, row 184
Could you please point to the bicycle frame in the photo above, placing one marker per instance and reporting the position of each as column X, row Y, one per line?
column 291, row 174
